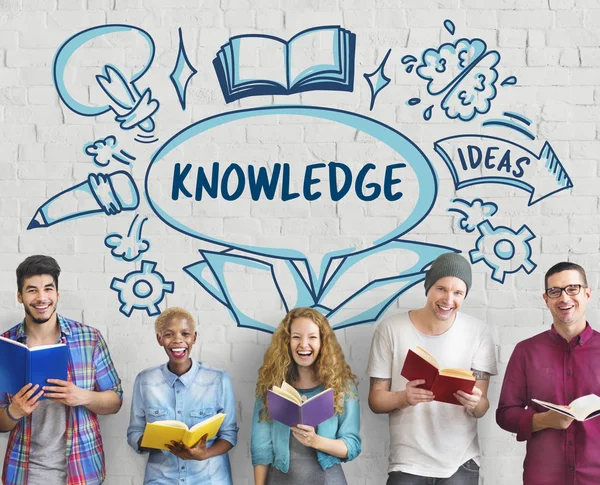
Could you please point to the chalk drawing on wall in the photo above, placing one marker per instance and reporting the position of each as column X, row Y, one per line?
column 104, row 150
column 319, row 58
column 131, row 246
column 312, row 289
column 311, row 286
column 461, row 76
column 167, row 168
column 142, row 289
column 377, row 80
column 183, row 72
column 482, row 159
column 513, row 121
column 449, row 26
column 101, row 193
column 193, row 169
column 473, row 213
column 503, row 250
column 111, row 89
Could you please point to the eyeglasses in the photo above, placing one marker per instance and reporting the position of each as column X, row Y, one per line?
column 570, row 290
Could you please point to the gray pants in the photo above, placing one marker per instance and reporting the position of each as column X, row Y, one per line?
column 467, row 474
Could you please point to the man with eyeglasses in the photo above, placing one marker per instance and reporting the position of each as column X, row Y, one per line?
column 558, row 366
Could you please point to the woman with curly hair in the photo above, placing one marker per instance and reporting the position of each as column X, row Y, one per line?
column 305, row 353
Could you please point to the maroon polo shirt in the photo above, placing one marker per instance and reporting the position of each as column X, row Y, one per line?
column 548, row 368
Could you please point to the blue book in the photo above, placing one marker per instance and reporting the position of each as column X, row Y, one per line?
column 20, row 365
column 320, row 58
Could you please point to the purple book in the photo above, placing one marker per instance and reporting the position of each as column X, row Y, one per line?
column 289, row 409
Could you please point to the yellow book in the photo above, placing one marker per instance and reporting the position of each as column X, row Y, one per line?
column 158, row 433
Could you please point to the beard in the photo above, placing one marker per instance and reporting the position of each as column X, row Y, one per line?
column 39, row 321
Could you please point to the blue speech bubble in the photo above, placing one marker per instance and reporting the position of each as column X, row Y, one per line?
column 132, row 35
column 163, row 171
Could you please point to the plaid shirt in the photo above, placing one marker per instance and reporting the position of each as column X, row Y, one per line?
column 90, row 367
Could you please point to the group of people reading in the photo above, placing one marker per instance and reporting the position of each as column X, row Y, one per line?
column 55, row 435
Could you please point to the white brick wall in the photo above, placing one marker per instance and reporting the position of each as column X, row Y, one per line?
column 552, row 46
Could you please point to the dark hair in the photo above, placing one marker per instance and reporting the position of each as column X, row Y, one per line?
column 564, row 266
column 37, row 265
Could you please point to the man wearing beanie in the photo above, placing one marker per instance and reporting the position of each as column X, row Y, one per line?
column 433, row 442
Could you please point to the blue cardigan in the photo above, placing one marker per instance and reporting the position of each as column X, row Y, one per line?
column 270, row 441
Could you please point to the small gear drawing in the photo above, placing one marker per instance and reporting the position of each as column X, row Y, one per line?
column 504, row 242
column 142, row 289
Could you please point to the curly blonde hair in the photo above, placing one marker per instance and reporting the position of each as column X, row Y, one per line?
column 330, row 367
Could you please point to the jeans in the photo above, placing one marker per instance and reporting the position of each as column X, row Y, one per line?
column 467, row 474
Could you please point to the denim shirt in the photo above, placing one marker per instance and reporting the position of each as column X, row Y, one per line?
column 201, row 392
column 270, row 441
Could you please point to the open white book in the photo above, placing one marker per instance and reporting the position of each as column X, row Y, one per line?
column 581, row 409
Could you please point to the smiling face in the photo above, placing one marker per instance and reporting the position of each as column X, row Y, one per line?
column 305, row 341
column 568, row 312
column 177, row 337
column 445, row 297
column 39, row 297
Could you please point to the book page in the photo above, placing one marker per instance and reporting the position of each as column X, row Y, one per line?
column 258, row 58
column 583, row 406
column 285, row 387
column 171, row 423
column 286, row 396
column 461, row 373
column 421, row 352
column 555, row 407
column 44, row 347
column 312, row 52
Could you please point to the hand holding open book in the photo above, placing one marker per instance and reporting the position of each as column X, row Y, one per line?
column 419, row 364
column 287, row 406
column 20, row 365
column 159, row 434
column 581, row 409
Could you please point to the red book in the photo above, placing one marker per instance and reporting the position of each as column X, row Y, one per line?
column 419, row 364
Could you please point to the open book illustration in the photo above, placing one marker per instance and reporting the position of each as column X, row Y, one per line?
column 320, row 58
column 159, row 433
column 287, row 406
column 419, row 364
column 581, row 409
column 20, row 365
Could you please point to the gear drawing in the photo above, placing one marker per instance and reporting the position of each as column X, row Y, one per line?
column 142, row 289
column 507, row 245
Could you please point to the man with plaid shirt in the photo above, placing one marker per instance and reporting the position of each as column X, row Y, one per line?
column 57, row 440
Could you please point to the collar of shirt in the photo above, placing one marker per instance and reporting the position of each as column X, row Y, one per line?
column 580, row 339
column 186, row 379
column 65, row 331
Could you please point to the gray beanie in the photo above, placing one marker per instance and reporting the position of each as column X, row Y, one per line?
column 448, row 264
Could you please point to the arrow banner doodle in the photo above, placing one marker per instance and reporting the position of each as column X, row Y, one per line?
column 481, row 159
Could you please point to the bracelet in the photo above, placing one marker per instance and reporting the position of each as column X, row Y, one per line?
column 10, row 416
